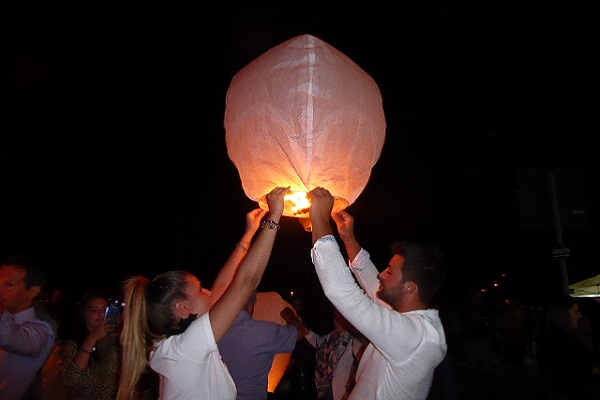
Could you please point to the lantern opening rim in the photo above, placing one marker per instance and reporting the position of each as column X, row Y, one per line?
column 339, row 204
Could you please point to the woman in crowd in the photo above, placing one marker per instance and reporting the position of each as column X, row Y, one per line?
column 91, row 359
column 173, row 325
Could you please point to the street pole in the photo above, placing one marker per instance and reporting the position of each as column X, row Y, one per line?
column 558, row 234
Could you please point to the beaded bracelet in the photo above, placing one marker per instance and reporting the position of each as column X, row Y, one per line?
column 270, row 224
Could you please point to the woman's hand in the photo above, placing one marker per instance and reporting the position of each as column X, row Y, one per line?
column 253, row 219
column 105, row 329
column 276, row 202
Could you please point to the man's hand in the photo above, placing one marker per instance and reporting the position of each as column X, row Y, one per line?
column 345, row 225
column 292, row 319
column 321, row 205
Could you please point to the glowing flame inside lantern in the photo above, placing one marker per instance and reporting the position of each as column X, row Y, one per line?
column 304, row 115
column 297, row 204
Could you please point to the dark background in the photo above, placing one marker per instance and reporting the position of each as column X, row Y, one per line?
column 113, row 158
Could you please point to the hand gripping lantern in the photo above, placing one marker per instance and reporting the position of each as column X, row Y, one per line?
column 304, row 115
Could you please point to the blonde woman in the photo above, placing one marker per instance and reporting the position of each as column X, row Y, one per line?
column 172, row 324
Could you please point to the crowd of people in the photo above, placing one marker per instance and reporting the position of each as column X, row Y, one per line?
column 390, row 337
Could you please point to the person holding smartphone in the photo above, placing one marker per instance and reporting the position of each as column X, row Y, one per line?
column 91, row 359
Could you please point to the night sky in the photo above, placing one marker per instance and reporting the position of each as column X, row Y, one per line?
column 113, row 158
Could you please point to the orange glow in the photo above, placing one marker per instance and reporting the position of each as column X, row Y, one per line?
column 298, row 202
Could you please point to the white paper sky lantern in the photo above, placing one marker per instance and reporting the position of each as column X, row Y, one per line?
column 304, row 115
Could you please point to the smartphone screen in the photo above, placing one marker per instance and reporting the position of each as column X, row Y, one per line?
column 112, row 313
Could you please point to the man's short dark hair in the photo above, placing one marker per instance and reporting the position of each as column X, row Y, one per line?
column 424, row 264
column 34, row 275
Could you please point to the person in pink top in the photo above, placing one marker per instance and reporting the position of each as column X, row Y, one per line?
column 391, row 308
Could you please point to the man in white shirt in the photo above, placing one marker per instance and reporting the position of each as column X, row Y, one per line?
column 406, row 337
column 25, row 340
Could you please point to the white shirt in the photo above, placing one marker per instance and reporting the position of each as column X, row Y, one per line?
column 190, row 365
column 25, row 344
column 404, row 348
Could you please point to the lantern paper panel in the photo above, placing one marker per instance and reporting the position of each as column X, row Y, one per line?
column 304, row 115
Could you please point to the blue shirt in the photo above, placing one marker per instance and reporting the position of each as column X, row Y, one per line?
column 25, row 344
column 248, row 349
